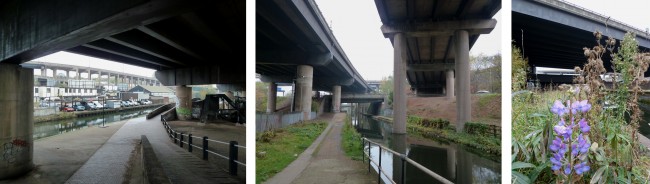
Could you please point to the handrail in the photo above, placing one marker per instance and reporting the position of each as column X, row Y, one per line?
column 233, row 146
column 404, row 158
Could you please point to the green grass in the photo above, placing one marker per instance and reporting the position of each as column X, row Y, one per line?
column 283, row 146
column 486, row 98
column 351, row 141
column 54, row 117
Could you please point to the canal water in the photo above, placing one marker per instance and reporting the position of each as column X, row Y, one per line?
column 454, row 162
column 51, row 128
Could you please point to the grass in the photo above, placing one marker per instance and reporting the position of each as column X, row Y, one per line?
column 351, row 141
column 54, row 117
column 282, row 146
column 487, row 98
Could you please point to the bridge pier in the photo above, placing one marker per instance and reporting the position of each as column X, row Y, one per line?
column 449, row 89
column 336, row 99
column 302, row 96
column 272, row 95
column 464, row 98
column 399, row 84
column 184, row 95
column 16, row 120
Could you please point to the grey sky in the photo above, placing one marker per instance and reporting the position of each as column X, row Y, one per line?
column 356, row 27
column 632, row 12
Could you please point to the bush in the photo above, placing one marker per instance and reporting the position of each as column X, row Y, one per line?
column 481, row 129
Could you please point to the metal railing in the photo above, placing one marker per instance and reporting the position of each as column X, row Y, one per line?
column 233, row 149
column 403, row 158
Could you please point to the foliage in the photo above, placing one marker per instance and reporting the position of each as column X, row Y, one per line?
column 351, row 141
column 519, row 69
column 438, row 123
column 386, row 87
column 481, row 129
column 284, row 147
column 486, row 72
column 614, row 154
column 261, row 98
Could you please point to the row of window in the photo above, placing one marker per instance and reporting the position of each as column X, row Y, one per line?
column 49, row 90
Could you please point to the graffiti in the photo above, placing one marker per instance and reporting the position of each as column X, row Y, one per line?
column 11, row 150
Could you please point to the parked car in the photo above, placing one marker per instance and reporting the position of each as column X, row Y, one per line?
column 133, row 103
column 92, row 106
column 66, row 109
column 146, row 102
column 112, row 104
column 79, row 107
column 125, row 103
column 482, row 91
column 99, row 105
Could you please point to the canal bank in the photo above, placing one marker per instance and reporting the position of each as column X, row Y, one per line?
column 71, row 115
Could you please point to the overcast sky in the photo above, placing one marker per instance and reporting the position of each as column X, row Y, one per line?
column 85, row 61
column 356, row 26
column 632, row 12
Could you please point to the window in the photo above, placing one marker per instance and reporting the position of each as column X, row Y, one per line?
column 66, row 90
column 35, row 90
column 49, row 90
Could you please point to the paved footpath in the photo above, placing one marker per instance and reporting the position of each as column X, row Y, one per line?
column 325, row 162
column 109, row 163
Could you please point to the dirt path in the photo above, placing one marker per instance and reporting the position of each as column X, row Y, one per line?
column 330, row 165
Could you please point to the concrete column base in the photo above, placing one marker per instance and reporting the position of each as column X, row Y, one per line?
column 463, row 98
column 304, row 79
column 336, row 99
column 271, row 97
column 16, row 120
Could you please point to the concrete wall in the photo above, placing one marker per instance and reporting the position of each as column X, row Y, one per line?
column 264, row 122
column 45, row 111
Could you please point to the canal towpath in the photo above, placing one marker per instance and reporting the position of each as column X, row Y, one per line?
column 324, row 161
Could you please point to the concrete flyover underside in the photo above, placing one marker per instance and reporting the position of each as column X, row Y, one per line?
column 431, row 41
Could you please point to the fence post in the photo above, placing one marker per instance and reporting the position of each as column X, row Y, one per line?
column 189, row 143
column 379, row 167
column 205, row 147
column 369, row 157
column 363, row 155
column 175, row 136
column 234, row 151
column 403, row 157
column 180, row 142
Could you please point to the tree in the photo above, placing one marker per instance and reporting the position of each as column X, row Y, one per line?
column 386, row 88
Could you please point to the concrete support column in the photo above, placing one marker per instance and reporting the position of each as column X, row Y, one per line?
column 336, row 99
column 184, row 95
column 43, row 72
column 272, row 95
column 303, row 89
column 450, row 84
column 67, row 74
column 78, row 74
column 463, row 98
column 16, row 120
column 399, row 83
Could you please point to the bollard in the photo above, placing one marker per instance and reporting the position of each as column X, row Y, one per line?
column 205, row 147
column 189, row 143
column 363, row 155
column 234, row 151
column 180, row 142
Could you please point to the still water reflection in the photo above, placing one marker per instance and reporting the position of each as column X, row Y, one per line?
column 51, row 128
column 454, row 162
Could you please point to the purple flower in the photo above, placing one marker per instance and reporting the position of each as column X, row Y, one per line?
column 567, row 170
column 581, row 168
column 582, row 106
column 556, row 167
column 557, row 144
column 558, row 108
column 584, row 126
column 562, row 130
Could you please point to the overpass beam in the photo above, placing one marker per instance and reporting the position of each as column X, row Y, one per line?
column 16, row 120
column 450, row 84
column 302, row 96
column 272, row 95
column 463, row 99
column 336, row 99
column 399, row 86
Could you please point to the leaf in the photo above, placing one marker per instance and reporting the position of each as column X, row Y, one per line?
column 598, row 174
column 519, row 178
column 594, row 146
column 533, row 133
column 537, row 115
column 533, row 174
column 521, row 165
